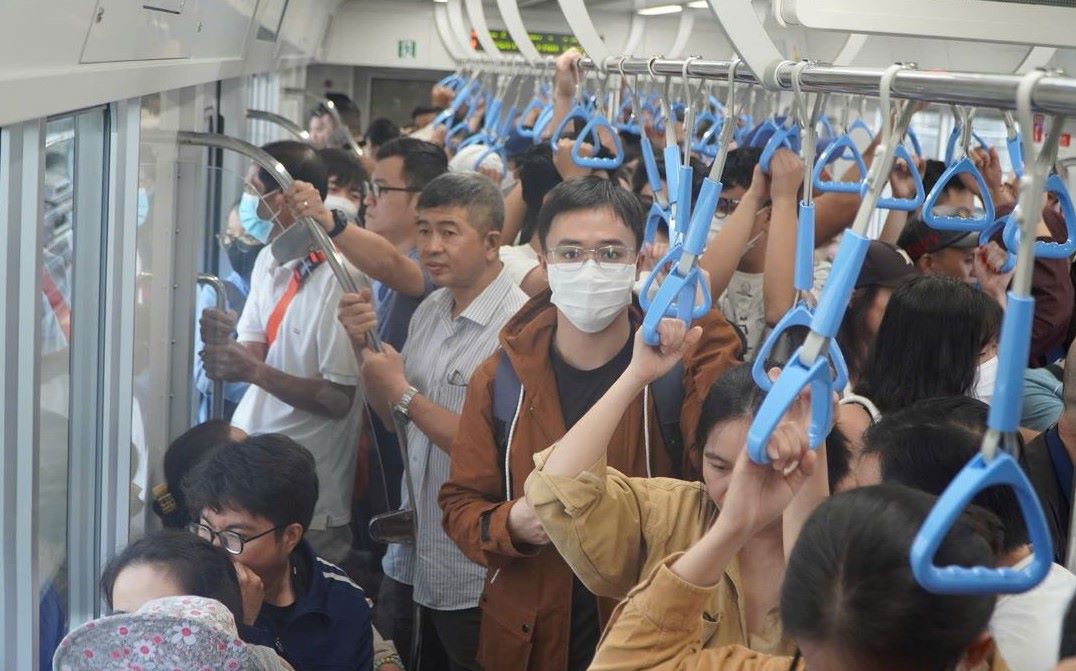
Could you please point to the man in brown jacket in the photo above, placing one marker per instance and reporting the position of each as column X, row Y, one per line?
column 560, row 353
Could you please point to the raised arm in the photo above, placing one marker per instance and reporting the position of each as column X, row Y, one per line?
column 778, row 291
column 726, row 247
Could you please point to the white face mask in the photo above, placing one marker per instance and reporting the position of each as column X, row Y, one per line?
column 986, row 377
column 589, row 295
column 343, row 204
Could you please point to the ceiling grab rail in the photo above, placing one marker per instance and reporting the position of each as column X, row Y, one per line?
column 284, row 122
column 801, row 314
column 996, row 463
column 809, row 366
column 676, row 297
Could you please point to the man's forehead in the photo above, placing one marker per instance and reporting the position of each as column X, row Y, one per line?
column 592, row 224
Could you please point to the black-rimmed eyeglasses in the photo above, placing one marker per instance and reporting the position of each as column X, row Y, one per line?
column 232, row 541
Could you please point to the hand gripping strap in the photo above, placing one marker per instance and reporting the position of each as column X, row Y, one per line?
column 1043, row 249
column 675, row 297
column 591, row 132
column 789, row 138
column 577, row 112
column 800, row 315
column 906, row 204
column 795, row 377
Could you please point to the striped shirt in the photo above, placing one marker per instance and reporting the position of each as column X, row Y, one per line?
column 440, row 355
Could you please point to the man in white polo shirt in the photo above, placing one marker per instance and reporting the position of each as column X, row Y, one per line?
column 294, row 354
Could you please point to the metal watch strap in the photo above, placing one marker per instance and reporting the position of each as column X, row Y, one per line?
column 403, row 406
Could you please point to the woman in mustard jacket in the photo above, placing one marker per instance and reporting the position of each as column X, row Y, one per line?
column 614, row 530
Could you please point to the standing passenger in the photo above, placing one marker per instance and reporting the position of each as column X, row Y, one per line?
column 454, row 330
column 560, row 354
column 295, row 356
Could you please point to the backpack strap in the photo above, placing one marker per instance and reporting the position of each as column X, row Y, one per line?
column 507, row 400
column 668, row 393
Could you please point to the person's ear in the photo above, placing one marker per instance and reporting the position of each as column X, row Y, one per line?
column 925, row 263
column 492, row 240
column 293, row 533
column 975, row 655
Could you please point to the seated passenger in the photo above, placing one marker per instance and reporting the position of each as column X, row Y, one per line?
column 174, row 564
column 560, row 353
column 849, row 598
column 613, row 530
column 347, row 182
column 173, row 632
column 256, row 498
column 295, row 356
column 925, row 446
column 452, row 332
column 179, row 459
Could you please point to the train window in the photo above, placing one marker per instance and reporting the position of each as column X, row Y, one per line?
column 395, row 98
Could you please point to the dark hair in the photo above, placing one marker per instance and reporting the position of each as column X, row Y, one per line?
column 733, row 396
column 347, row 109
column 852, row 335
column 319, row 110
column 992, row 314
column 422, row 161
column 740, row 167
column 301, row 161
column 425, row 109
column 268, row 475
column 925, row 445
column 182, row 456
column 199, row 567
column 838, row 457
column 849, row 582
column 933, row 171
column 481, row 198
column 698, row 174
column 592, row 193
column 927, row 345
column 343, row 168
column 537, row 177
column 382, row 130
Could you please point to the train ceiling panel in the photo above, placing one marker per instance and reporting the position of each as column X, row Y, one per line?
column 1041, row 22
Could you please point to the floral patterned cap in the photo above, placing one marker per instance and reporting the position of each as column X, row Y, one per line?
column 177, row 633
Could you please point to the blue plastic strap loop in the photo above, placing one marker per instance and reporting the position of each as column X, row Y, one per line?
column 914, row 139
column 576, row 112
column 1016, row 154
column 827, row 129
column 795, row 377
column 761, row 135
column 656, row 215
column 698, row 231
column 972, row 479
column 508, row 121
column 591, row 132
column 496, row 149
column 481, row 137
column 672, row 175
column 842, row 281
column 799, row 316
column 535, row 105
column 543, row 120
column 905, row 204
column 458, row 130
column 837, row 149
column 650, row 163
column 787, row 138
column 1013, row 349
column 1044, row 249
column 860, row 124
column 684, row 181
column 950, row 145
column 987, row 233
column 675, row 297
column 746, row 128
column 949, row 223
column 803, row 276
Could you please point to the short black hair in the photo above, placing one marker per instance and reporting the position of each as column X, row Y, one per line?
column 592, row 193
column 476, row 193
column 932, row 172
column 698, row 174
column 344, row 168
column 849, row 583
column 425, row 109
column 301, row 161
column 537, row 177
column 199, row 567
column 347, row 109
column 927, row 444
column 382, row 130
column 733, row 396
column 268, row 475
column 422, row 161
column 740, row 167
column 1068, row 632
column 182, row 456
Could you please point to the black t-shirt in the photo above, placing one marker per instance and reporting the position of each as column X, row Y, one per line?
column 579, row 390
column 279, row 617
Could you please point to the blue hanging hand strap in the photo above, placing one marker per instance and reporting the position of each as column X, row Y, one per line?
column 654, row 218
column 677, row 293
column 841, row 147
column 787, row 137
column 954, row 137
column 542, row 122
column 535, row 105
column 914, row 139
column 1016, row 155
column 906, row 204
column 495, row 149
column 577, row 112
column 704, row 142
column 591, row 132
column 860, row 124
column 951, row 223
column 762, row 134
column 995, row 465
column 1043, row 249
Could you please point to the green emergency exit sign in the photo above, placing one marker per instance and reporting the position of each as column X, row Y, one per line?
column 406, row 49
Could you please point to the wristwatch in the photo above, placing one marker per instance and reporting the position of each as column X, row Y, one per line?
column 339, row 223
column 402, row 409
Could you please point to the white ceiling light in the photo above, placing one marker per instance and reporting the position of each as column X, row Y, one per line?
column 659, row 10
column 443, row 2
column 698, row 4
